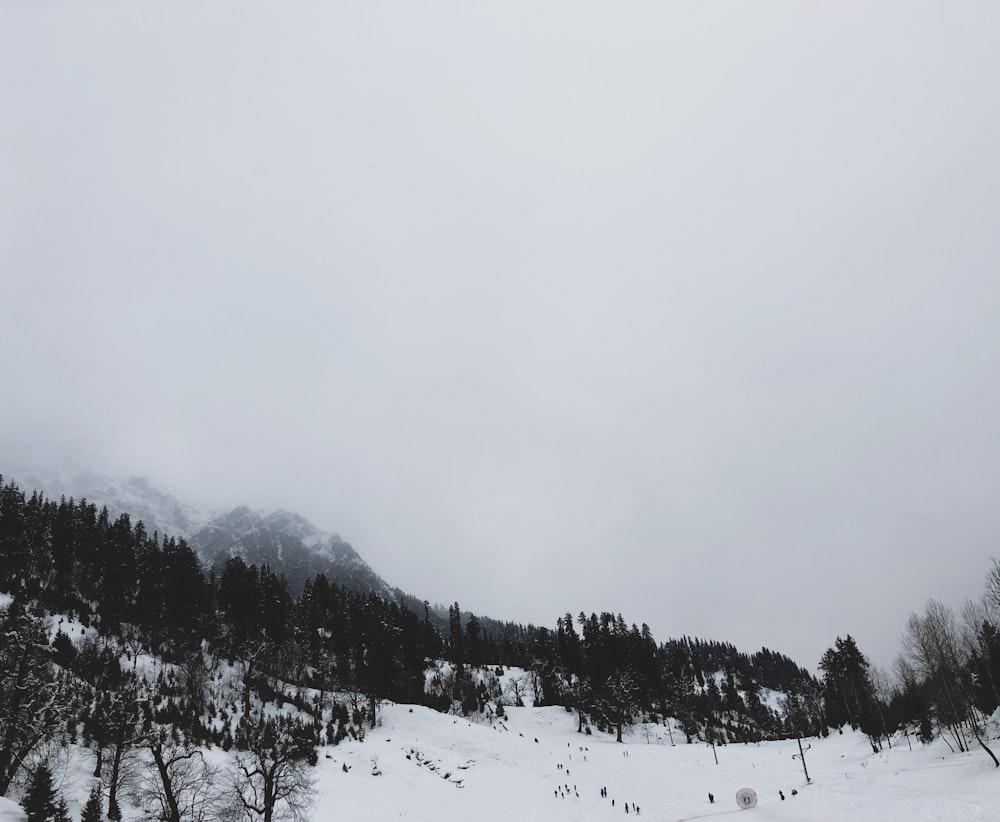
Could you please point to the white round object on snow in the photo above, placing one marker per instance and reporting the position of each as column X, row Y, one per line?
column 746, row 798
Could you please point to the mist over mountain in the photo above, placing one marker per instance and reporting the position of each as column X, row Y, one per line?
column 285, row 541
column 138, row 497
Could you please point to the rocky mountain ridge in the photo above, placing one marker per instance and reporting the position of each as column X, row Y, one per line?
column 283, row 540
column 288, row 543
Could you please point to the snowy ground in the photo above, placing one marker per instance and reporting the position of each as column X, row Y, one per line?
column 507, row 775
column 434, row 766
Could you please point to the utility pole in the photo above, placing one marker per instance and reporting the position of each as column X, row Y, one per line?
column 802, row 755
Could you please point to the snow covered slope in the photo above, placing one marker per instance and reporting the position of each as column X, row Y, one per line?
column 9, row 812
column 435, row 766
column 530, row 765
column 534, row 766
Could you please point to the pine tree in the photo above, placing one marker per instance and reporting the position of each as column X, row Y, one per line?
column 40, row 800
column 92, row 810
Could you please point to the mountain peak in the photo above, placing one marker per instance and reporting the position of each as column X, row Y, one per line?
column 288, row 543
column 282, row 539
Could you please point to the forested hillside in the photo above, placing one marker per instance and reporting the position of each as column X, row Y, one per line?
column 119, row 638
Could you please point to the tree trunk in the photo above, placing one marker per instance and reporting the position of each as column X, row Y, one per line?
column 116, row 762
column 993, row 756
column 173, row 812
column 984, row 746
column 269, row 797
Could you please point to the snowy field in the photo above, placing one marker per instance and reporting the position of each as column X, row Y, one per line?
column 492, row 774
column 433, row 766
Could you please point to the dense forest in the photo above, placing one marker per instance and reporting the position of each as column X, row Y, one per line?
column 121, row 640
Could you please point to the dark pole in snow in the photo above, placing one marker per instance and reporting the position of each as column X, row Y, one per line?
column 802, row 756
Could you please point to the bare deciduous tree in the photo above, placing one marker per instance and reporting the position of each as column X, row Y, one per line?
column 979, row 630
column 271, row 778
column 179, row 785
column 358, row 702
column 516, row 689
column 993, row 589
column 933, row 646
column 118, row 716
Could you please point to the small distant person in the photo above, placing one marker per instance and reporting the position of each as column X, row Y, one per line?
column 711, row 798
column 794, row 792
column 782, row 795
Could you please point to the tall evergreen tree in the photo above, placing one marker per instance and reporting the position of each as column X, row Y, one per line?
column 849, row 694
column 92, row 811
column 41, row 804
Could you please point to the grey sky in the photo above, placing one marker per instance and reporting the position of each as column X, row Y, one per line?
column 683, row 310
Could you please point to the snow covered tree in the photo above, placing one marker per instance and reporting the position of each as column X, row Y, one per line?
column 581, row 695
column 678, row 687
column 619, row 700
column 33, row 697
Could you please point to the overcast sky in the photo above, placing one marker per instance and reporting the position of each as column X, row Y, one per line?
column 688, row 311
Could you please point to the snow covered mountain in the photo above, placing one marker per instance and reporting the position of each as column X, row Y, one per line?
column 136, row 496
column 284, row 540
column 288, row 543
